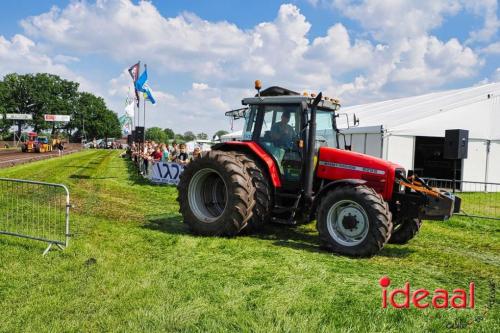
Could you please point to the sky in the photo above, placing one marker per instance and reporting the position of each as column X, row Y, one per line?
column 203, row 56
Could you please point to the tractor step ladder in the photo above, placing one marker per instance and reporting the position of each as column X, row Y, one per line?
column 282, row 209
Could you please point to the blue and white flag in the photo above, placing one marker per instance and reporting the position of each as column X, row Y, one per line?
column 142, row 85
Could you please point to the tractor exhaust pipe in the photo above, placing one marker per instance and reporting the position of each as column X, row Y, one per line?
column 311, row 148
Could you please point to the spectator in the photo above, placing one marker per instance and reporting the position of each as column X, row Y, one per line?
column 174, row 151
column 196, row 153
column 60, row 148
column 182, row 158
column 157, row 154
column 165, row 153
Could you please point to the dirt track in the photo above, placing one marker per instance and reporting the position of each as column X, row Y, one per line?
column 9, row 158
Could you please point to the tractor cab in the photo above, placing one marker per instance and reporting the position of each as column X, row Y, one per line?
column 42, row 140
column 277, row 119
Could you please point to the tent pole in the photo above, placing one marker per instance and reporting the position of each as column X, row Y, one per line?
column 488, row 148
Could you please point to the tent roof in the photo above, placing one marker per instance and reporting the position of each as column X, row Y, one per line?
column 236, row 134
column 476, row 109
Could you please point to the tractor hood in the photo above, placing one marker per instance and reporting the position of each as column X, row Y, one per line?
column 337, row 164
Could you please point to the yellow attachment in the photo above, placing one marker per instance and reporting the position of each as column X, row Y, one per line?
column 258, row 85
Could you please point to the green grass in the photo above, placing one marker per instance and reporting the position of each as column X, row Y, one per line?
column 134, row 266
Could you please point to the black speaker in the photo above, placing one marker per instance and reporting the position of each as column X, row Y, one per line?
column 456, row 143
column 139, row 134
column 130, row 139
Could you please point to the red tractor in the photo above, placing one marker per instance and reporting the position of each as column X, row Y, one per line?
column 289, row 169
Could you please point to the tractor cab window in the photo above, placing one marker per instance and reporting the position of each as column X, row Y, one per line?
column 325, row 129
column 280, row 128
column 277, row 129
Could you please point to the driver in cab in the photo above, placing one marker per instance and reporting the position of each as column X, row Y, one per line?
column 282, row 134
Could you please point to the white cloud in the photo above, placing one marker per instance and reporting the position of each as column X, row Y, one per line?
column 392, row 20
column 488, row 9
column 492, row 49
column 22, row 55
column 398, row 56
column 496, row 75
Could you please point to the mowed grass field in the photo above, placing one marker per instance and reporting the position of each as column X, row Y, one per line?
column 133, row 266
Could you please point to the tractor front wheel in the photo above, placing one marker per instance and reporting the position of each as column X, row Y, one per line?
column 405, row 230
column 216, row 195
column 354, row 221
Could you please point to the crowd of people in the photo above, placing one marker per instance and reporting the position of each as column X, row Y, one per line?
column 151, row 151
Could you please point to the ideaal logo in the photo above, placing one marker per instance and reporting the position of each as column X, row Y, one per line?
column 423, row 298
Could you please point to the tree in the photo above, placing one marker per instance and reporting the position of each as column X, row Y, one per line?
column 169, row 133
column 202, row 136
column 42, row 93
column 39, row 94
column 110, row 125
column 99, row 121
column 220, row 133
column 189, row 136
column 179, row 138
column 4, row 124
column 156, row 134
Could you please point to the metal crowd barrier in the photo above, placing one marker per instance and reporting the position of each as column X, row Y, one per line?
column 35, row 210
column 479, row 199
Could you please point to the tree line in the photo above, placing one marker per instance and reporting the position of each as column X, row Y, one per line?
column 158, row 134
column 42, row 93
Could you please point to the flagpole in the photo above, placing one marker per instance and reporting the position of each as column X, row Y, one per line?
column 144, row 119
column 144, row 98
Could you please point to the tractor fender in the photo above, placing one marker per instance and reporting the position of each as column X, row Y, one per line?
column 260, row 155
column 328, row 187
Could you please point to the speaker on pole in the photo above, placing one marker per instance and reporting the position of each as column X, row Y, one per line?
column 456, row 143
column 139, row 134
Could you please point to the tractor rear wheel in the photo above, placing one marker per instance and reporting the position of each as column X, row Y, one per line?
column 216, row 195
column 354, row 221
column 405, row 230
column 262, row 196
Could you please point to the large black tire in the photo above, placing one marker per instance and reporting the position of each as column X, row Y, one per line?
column 366, row 221
column 262, row 195
column 216, row 195
column 406, row 230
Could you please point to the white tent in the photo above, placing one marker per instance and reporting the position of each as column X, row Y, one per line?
column 234, row 136
column 390, row 129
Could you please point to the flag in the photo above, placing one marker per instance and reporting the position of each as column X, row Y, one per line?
column 134, row 73
column 129, row 108
column 142, row 85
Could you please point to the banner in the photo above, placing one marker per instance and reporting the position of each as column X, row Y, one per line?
column 166, row 173
column 18, row 116
column 56, row 117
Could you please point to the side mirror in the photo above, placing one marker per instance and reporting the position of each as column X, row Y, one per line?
column 237, row 114
column 356, row 120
